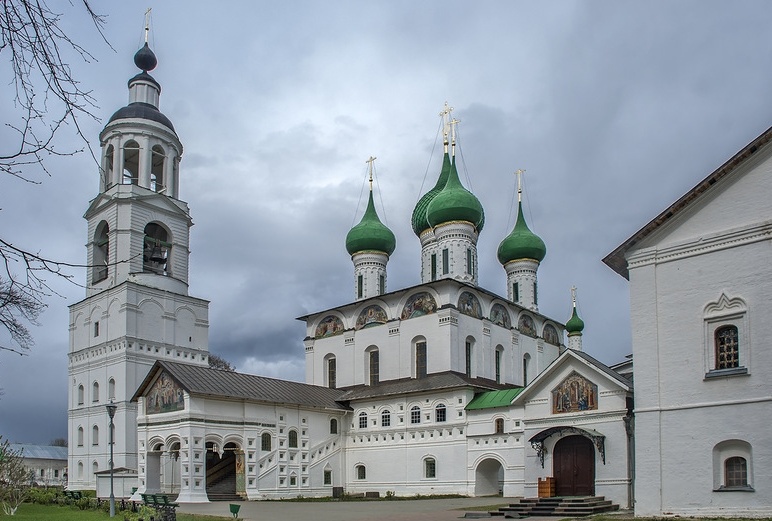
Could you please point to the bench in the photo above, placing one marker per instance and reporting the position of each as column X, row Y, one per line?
column 73, row 495
column 163, row 506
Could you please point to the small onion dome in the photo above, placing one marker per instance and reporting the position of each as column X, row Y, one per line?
column 522, row 243
column 575, row 324
column 455, row 203
column 370, row 234
column 419, row 221
column 145, row 59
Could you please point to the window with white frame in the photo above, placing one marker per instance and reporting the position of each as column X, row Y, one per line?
column 732, row 466
column 440, row 413
column 727, row 339
column 362, row 420
column 361, row 472
column 430, row 468
column 415, row 414
column 386, row 418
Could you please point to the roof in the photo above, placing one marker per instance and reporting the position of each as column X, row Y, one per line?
column 204, row 381
column 431, row 382
column 139, row 110
column 616, row 259
column 40, row 451
column 493, row 399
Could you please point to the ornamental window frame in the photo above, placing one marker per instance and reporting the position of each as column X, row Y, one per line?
column 363, row 420
column 726, row 315
column 415, row 415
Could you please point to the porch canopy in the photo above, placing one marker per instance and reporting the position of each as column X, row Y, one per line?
column 598, row 439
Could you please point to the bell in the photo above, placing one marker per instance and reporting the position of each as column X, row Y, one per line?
column 157, row 255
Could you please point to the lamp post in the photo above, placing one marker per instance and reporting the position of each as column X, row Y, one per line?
column 111, row 407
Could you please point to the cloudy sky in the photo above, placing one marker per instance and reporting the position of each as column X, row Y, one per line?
column 613, row 108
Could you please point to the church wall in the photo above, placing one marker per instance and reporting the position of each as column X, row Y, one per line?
column 507, row 448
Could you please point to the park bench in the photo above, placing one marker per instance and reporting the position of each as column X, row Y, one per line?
column 165, row 508
column 73, row 495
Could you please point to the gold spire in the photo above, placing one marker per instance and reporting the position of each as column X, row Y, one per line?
column 445, row 115
column 147, row 22
column 370, row 167
column 453, row 123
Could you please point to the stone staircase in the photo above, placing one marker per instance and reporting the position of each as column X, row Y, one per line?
column 557, row 506
column 223, row 490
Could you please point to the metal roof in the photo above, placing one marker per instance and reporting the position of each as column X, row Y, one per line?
column 493, row 399
column 39, row 451
column 431, row 382
column 201, row 380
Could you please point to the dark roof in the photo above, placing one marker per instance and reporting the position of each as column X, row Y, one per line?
column 431, row 382
column 140, row 110
column 616, row 259
column 603, row 367
column 200, row 380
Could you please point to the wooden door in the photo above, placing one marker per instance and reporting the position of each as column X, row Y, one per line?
column 574, row 467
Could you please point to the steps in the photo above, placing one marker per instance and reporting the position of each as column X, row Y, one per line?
column 559, row 507
column 223, row 490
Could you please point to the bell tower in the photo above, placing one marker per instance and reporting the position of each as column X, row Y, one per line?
column 137, row 309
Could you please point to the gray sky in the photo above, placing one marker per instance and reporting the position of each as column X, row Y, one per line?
column 614, row 109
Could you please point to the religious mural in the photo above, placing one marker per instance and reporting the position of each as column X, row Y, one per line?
column 371, row 316
column 469, row 305
column 575, row 393
column 164, row 396
column 329, row 326
column 550, row 335
column 500, row 316
column 525, row 325
column 418, row 305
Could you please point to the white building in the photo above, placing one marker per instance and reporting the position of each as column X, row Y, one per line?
column 701, row 299
column 443, row 387
column 47, row 464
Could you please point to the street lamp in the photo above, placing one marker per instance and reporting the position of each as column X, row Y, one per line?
column 111, row 407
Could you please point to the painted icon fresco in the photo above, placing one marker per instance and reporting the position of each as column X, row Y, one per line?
column 418, row 305
column 469, row 305
column 575, row 393
column 164, row 396
column 525, row 325
column 550, row 334
column 500, row 316
column 371, row 316
column 329, row 326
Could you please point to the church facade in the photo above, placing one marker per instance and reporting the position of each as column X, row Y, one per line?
column 442, row 387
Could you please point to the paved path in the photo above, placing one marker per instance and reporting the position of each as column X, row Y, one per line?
column 412, row 510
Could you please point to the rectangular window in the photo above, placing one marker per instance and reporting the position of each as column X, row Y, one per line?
column 468, row 368
column 386, row 419
column 96, row 328
column 431, row 468
column 56, row 473
column 328, row 477
column 382, row 284
column 515, row 292
column 360, row 286
column 727, row 348
column 535, row 295
column 445, row 262
column 420, row 359
column 331, row 374
column 374, row 367
column 434, row 266
column 469, row 265
column 498, row 367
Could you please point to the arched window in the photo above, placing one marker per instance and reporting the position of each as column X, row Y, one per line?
column 80, row 394
column 420, row 359
column 374, row 367
column 468, row 358
column 101, row 252
column 327, row 476
column 430, row 468
column 736, row 472
column 361, row 472
column 94, row 467
column 497, row 363
column 331, row 372
column 386, row 418
column 526, row 361
column 333, row 426
column 499, row 425
column 156, row 249
column 130, row 163
column 111, row 389
column 157, row 181
column 95, row 392
column 80, row 469
column 107, row 166
column 440, row 413
column 94, row 435
column 415, row 414
column 727, row 347
column 362, row 420
column 80, row 436
column 293, row 439
column 265, row 441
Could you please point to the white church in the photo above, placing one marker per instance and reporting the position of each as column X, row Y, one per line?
column 439, row 388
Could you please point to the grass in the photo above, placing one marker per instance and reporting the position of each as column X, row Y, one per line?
column 35, row 512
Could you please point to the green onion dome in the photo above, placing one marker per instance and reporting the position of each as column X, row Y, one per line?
column 455, row 203
column 419, row 221
column 574, row 324
column 370, row 234
column 522, row 243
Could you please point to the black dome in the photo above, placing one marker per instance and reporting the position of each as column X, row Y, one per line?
column 145, row 58
column 142, row 111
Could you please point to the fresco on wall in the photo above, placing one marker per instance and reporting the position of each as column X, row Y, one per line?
column 525, row 325
column 329, row 326
column 418, row 305
column 550, row 334
column 371, row 316
column 164, row 396
column 500, row 316
column 469, row 305
column 575, row 393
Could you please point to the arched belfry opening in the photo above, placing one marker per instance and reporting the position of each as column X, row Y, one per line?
column 156, row 249
column 108, row 167
column 101, row 252
column 130, row 163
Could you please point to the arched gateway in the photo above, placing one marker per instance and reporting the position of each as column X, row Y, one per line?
column 489, row 478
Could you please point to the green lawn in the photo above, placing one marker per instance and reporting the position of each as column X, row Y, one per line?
column 34, row 512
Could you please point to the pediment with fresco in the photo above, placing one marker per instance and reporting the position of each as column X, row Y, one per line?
column 550, row 335
column 165, row 395
column 371, row 316
column 329, row 326
column 526, row 326
column 575, row 393
column 500, row 316
column 468, row 304
column 418, row 305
